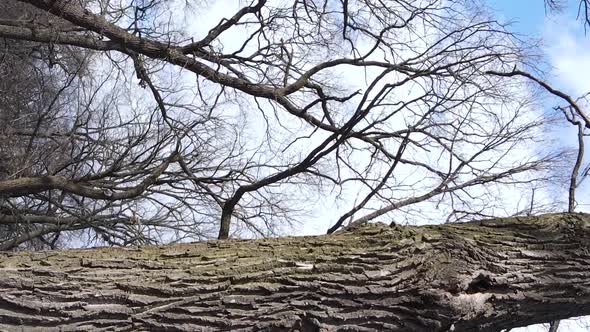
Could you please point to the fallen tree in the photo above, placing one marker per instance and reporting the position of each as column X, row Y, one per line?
column 487, row 275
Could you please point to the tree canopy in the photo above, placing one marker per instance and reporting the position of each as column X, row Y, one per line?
column 128, row 124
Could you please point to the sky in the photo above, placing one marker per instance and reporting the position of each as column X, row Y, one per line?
column 564, row 45
column 566, row 48
column 526, row 18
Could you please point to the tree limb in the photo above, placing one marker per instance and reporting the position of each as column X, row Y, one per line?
column 486, row 276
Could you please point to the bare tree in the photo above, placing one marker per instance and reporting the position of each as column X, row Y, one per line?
column 176, row 134
column 37, row 87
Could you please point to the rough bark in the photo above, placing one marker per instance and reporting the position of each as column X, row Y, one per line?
column 485, row 275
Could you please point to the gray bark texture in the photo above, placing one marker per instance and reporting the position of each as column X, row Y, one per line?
column 480, row 276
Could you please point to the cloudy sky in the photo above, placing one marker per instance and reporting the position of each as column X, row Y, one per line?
column 563, row 37
column 566, row 47
column 567, row 65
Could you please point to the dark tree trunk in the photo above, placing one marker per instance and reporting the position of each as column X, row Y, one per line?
column 480, row 276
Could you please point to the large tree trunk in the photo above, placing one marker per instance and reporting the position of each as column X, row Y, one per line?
column 485, row 275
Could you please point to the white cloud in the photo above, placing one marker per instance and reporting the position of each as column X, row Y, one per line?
column 568, row 51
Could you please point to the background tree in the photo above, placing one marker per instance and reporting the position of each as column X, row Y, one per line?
column 60, row 123
column 38, row 96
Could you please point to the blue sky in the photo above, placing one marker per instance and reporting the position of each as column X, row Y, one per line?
column 528, row 15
